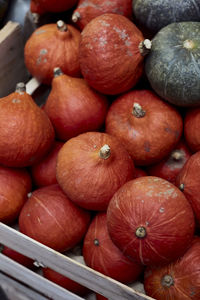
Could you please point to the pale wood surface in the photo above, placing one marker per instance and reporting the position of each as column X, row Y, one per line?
column 12, row 67
column 95, row 281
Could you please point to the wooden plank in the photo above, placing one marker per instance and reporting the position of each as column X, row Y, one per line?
column 35, row 281
column 12, row 67
column 18, row 291
column 32, row 85
column 95, row 281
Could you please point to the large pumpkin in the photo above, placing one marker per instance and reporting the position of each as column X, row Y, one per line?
column 111, row 54
column 91, row 167
column 150, row 220
column 172, row 66
column 179, row 280
column 148, row 127
column 153, row 15
column 26, row 133
column 191, row 129
column 51, row 46
column 42, row 6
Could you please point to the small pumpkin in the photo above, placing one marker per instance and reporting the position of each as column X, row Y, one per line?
column 51, row 46
column 179, row 280
column 150, row 220
column 26, row 133
column 148, row 127
column 119, row 48
column 91, row 167
column 52, row 219
column 42, row 6
column 73, row 107
column 191, row 129
column 87, row 10
column 18, row 257
column 154, row 15
column 101, row 254
column 172, row 66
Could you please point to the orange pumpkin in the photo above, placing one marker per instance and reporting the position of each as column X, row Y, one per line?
column 42, row 6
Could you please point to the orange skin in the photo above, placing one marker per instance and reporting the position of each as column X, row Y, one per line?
column 73, row 107
column 42, row 6
column 106, row 257
column 51, row 218
column 48, row 48
column 18, row 257
column 89, row 10
column 191, row 129
column 150, row 138
column 158, row 207
column 26, row 133
column 185, row 273
column 14, row 186
column 89, row 180
column 117, row 64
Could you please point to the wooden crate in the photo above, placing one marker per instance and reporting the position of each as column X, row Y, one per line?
column 18, row 282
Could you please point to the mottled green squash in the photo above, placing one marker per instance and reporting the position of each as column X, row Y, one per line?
column 173, row 64
column 155, row 14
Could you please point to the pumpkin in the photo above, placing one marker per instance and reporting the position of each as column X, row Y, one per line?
column 52, row 219
column 188, row 181
column 42, row 6
column 15, row 183
column 87, row 10
column 73, row 107
column 18, row 257
column 169, row 167
column 154, row 15
column 139, row 172
column 119, row 48
column 191, row 129
column 148, row 127
column 51, row 46
column 26, row 133
column 179, row 280
column 91, row 167
column 172, row 66
column 44, row 172
column 150, row 220
column 64, row 282
column 102, row 255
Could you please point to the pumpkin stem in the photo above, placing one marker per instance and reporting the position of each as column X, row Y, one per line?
column 167, row 281
column 61, row 25
column 177, row 155
column 96, row 242
column 76, row 16
column 145, row 47
column 104, row 152
column 57, row 72
column 35, row 17
column 20, row 87
column 141, row 232
column 188, row 44
column 181, row 187
column 138, row 112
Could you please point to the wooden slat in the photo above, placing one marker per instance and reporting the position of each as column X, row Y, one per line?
column 32, row 85
column 34, row 280
column 12, row 67
column 18, row 291
column 95, row 281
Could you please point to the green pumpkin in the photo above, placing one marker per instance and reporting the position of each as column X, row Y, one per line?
column 3, row 8
column 155, row 14
column 173, row 64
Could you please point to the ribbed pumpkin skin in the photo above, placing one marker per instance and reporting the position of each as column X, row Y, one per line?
column 191, row 129
column 117, row 64
column 156, row 206
column 52, row 219
column 14, row 185
column 172, row 67
column 105, row 257
column 155, row 14
column 185, row 273
column 26, row 133
column 48, row 48
column 88, row 10
column 41, row 6
column 88, row 179
column 189, row 177
column 150, row 138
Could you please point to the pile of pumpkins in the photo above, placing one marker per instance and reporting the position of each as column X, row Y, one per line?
column 111, row 161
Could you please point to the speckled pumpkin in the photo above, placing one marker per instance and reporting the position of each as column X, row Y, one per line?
column 172, row 66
